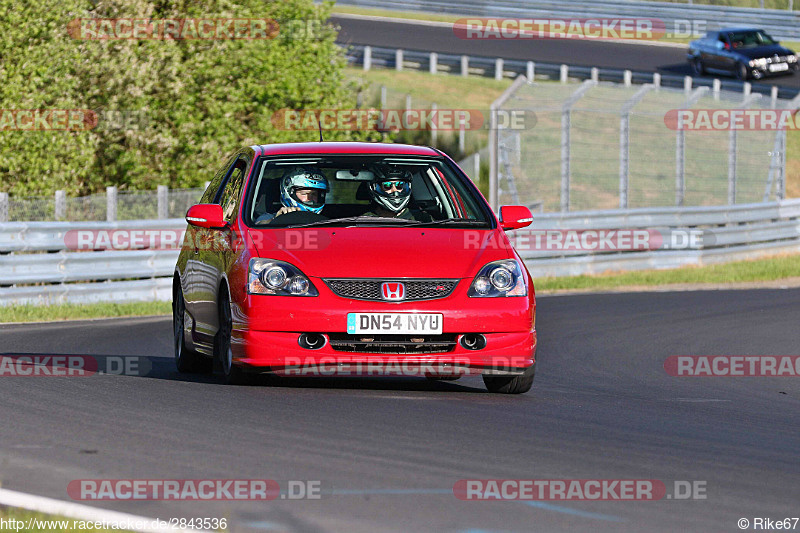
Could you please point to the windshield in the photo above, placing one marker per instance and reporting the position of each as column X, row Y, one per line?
column 750, row 39
column 354, row 190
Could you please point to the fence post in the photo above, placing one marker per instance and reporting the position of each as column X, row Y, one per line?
column 163, row 201
column 383, row 96
column 434, row 63
column 465, row 66
column 498, row 69
column 111, row 204
column 462, row 136
column 595, row 74
column 61, row 205
column 782, row 170
column 774, row 96
column 367, row 57
column 717, row 86
column 530, row 70
column 476, row 169
column 747, row 88
column 3, row 207
column 657, row 80
column 687, row 85
column 625, row 140
column 732, row 141
column 398, row 60
column 627, row 77
column 680, row 178
column 564, row 73
column 434, row 125
column 493, row 142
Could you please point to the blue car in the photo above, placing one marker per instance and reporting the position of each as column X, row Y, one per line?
column 747, row 53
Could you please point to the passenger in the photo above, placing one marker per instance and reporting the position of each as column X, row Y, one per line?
column 391, row 195
column 301, row 190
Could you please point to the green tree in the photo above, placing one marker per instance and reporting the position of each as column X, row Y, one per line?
column 201, row 98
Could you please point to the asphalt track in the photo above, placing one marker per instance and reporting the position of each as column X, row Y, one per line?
column 595, row 53
column 388, row 450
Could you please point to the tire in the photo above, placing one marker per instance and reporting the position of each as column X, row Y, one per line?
column 511, row 384
column 231, row 374
column 741, row 72
column 186, row 360
column 697, row 67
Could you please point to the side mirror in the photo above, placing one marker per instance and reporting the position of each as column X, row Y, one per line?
column 206, row 216
column 515, row 217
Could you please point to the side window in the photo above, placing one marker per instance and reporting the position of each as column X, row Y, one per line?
column 230, row 196
column 213, row 187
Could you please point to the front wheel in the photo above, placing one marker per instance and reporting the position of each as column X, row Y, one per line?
column 232, row 374
column 186, row 360
column 697, row 67
column 511, row 384
column 741, row 72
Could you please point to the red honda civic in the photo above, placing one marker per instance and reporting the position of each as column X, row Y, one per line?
column 352, row 259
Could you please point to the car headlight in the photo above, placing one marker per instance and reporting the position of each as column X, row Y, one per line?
column 760, row 62
column 498, row 279
column 791, row 58
column 278, row 278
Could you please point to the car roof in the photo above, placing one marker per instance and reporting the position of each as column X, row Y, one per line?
column 344, row 148
column 740, row 28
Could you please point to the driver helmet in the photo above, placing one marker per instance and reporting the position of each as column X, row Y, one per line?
column 392, row 190
column 301, row 178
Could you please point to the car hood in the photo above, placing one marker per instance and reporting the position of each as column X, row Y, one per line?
column 764, row 51
column 383, row 252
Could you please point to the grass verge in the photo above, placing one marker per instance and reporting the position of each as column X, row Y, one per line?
column 774, row 268
column 52, row 313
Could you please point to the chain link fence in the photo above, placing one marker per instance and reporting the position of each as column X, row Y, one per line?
column 113, row 205
column 606, row 146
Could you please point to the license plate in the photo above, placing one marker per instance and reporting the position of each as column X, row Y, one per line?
column 399, row 323
column 778, row 67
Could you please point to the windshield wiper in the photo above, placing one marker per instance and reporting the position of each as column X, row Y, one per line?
column 359, row 219
column 454, row 221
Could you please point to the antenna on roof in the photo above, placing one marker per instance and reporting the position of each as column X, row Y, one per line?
column 320, row 130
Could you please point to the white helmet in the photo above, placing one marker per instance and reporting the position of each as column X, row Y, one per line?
column 300, row 178
column 392, row 190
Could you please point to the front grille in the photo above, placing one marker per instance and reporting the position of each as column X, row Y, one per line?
column 392, row 344
column 370, row 289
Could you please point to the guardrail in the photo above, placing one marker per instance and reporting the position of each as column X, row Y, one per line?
column 499, row 68
column 725, row 234
column 780, row 23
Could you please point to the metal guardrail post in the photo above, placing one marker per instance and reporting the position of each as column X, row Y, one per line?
column 564, row 74
column 367, row 57
column 465, row 66
column 476, row 169
column 627, row 76
column 433, row 63
column 498, row 69
column 594, row 74
column 61, row 205
column 163, row 201
column 434, row 130
column 111, row 204
column 530, row 70
column 717, row 86
column 398, row 60
column 462, row 136
column 3, row 207
column 657, row 80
